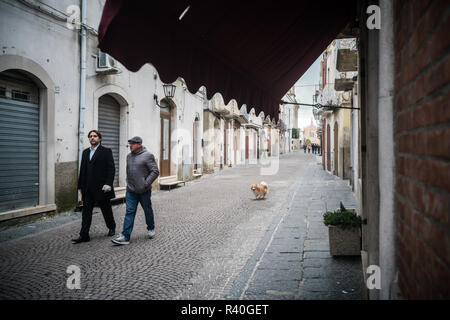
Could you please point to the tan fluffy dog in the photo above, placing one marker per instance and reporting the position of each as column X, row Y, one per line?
column 259, row 190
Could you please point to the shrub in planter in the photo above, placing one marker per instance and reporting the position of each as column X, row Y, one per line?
column 344, row 231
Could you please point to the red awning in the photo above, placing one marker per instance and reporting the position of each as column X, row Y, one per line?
column 250, row 51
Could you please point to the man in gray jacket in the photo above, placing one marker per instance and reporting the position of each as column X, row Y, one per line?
column 142, row 170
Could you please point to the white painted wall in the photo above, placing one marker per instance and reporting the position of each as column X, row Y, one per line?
column 55, row 48
column 40, row 38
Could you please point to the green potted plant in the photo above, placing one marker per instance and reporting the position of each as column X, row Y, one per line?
column 344, row 231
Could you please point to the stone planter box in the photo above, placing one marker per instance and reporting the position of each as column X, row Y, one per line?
column 344, row 242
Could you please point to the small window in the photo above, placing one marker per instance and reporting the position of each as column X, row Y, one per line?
column 2, row 92
column 20, row 95
column 311, row 134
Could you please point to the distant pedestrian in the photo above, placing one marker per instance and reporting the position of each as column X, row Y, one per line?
column 313, row 148
column 142, row 170
column 309, row 148
column 95, row 183
column 304, row 147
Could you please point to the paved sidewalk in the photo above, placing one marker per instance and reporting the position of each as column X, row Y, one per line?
column 293, row 260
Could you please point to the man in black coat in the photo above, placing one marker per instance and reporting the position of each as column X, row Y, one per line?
column 96, row 185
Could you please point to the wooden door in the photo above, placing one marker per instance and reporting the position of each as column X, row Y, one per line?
column 225, row 146
column 328, row 141
column 165, row 145
column 254, row 145
column 246, row 147
column 194, row 144
column 336, row 149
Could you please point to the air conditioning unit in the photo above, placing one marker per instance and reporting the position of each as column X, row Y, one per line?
column 106, row 64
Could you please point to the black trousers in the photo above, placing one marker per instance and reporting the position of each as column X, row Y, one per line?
column 88, row 205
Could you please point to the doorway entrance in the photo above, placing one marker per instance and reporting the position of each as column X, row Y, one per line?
column 328, row 142
column 109, row 127
column 19, row 141
column 165, row 142
column 336, row 149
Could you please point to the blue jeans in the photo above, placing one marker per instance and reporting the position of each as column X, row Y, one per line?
column 132, row 200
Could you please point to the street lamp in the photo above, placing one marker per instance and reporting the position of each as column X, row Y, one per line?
column 169, row 92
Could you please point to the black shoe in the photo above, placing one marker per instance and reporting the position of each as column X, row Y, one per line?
column 111, row 232
column 80, row 239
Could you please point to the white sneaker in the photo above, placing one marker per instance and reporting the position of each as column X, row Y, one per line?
column 120, row 240
column 151, row 233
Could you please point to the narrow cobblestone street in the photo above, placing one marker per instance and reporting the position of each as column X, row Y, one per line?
column 213, row 241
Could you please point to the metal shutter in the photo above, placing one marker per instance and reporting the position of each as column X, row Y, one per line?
column 19, row 154
column 109, row 127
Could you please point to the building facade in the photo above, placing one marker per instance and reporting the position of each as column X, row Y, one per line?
column 311, row 133
column 289, row 120
column 51, row 104
column 399, row 158
column 338, row 70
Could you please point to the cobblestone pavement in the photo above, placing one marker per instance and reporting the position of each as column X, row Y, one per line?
column 293, row 261
column 213, row 241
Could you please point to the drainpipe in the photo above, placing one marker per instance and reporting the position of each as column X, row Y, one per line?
column 386, row 157
column 81, row 132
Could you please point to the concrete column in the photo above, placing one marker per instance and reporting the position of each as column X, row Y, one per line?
column 369, row 62
column 386, row 159
column 372, row 181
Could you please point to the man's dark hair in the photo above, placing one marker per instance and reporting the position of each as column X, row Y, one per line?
column 98, row 133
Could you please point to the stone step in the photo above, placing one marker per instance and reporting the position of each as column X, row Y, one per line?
column 170, row 181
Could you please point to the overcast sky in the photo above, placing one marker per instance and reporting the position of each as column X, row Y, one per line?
column 304, row 91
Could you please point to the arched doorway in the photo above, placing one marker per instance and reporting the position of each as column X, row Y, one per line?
column 166, row 129
column 246, row 144
column 258, row 145
column 19, row 141
column 121, row 103
column 336, row 148
column 195, row 141
column 216, row 142
column 46, row 100
column 237, row 141
column 225, row 144
column 109, row 127
column 328, row 142
column 255, row 147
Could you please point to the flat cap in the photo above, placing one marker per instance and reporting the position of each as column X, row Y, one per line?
column 136, row 140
